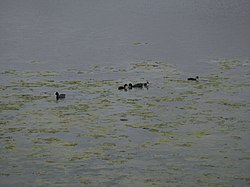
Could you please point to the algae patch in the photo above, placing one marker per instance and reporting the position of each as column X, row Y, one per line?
column 228, row 64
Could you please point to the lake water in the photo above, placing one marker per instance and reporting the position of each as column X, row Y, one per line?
column 173, row 133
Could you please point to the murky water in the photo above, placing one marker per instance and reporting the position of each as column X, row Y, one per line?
column 175, row 133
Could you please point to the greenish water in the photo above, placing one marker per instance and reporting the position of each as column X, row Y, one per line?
column 174, row 133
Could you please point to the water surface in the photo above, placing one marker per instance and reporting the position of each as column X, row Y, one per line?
column 175, row 133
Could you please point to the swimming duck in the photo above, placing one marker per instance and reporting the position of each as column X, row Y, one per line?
column 193, row 79
column 146, row 84
column 130, row 86
column 140, row 85
column 125, row 87
column 59, row 96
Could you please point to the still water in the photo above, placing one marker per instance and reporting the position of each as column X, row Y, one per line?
column 173, row 133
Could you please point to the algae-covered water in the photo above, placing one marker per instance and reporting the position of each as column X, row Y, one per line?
column 176, row 132
column 173, row 133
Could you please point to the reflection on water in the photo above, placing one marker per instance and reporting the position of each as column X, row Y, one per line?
column 176, row 132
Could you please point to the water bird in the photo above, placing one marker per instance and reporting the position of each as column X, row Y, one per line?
column 125, row 87
column 140, row 85
column 146, row 84
column 130, row 86
column 60, row 96
column 193, row 79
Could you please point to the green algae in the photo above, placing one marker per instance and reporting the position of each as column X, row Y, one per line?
column 2, row 87
column 227, row 102
column 87, row 84
column 74, row 82
column 85, row 154
column 228, row 64
column 185, row 145
column 40, row 74
column 99, row 132
column 38, row 155
column 236, row 137
column 35, row 62
column 151, row 64
column 4, row 122
column 154, row 130
column 70, row 144
column 244, row 158
column 168, row 99
column 11, row 105
column 167, row 130
column 72, row 108
column 231, row 105
column 200, row 134
column 141, row 113
column 164, row 140
column 104, row 103
column 29, row 97
column 13, row 72
column 50, row 140
column 10, row 147
column 82, row 157
column 14, row 129
column 246, row 179
column 36, row 84
column 90, row 87
column 4, row 174
column 108, row 144
column 96, row 136
column 47, row 130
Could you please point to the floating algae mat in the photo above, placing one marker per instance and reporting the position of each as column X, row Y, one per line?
column 174, row 133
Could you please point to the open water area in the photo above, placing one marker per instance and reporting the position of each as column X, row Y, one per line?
column 175, row 132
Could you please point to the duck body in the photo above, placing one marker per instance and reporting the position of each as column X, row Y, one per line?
column 141, row 85
column 125, row 87
column 138, row 85
column 130, row 86
column 60, row 96
column 193, row 79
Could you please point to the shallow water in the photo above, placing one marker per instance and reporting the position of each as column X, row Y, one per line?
column 175, row 133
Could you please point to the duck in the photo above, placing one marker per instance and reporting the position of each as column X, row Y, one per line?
column 130, row 86
column 193, row 79
column 60, row 96
column 125, row 87
column 146, row 84
column 140, row 85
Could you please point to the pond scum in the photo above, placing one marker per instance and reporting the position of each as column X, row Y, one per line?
column 173, row 134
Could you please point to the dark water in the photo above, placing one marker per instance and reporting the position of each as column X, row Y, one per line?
column 175, row 133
